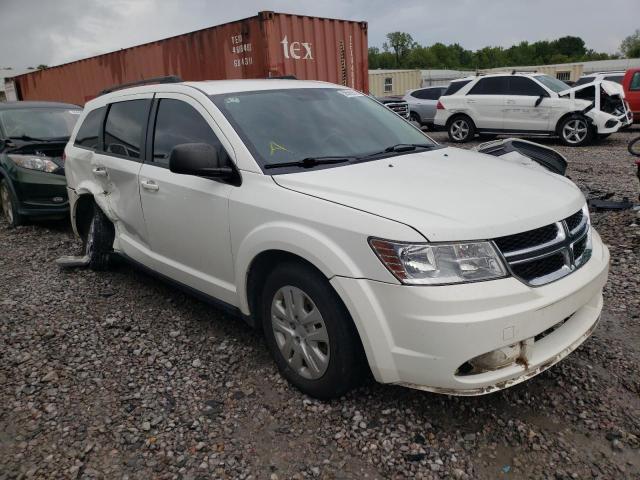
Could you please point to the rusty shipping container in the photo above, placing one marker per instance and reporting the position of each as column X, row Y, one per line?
column 268, row 45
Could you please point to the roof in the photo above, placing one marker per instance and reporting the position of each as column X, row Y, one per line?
column 22, row 105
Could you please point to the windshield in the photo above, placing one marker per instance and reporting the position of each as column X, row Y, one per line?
column 39, row 123
column 551, row 83
column 282, row 126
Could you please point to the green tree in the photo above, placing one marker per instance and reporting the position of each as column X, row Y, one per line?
column 572, row 47
column 630, row 46
column 42, row 66
column 401, row 43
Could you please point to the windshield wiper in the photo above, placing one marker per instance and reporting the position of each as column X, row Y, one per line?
column 400, row 148
column 310, row 162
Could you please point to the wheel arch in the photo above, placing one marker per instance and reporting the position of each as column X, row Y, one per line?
column 457, row 115
column 258, row 270
column 571, row 114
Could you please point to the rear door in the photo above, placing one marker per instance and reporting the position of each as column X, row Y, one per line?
column 485, row 102
column 117, row 165
column 187, row 216
column 521, row 113
column 424, row 101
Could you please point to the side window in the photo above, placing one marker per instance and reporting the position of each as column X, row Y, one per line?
column 524, row 86
column 125, row 126
column 455, row 86
column 490, row 86
column 427, row 94
column 178, row 122
column 89, row 133
column 635, row 82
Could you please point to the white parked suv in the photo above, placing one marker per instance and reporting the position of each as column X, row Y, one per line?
column 349, row 237
column 532, row 104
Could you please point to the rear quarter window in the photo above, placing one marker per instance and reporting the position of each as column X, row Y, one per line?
column 455, row 86
column 88, row 135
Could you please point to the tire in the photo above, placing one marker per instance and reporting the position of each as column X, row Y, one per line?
column 634, row 147
column 9, row 205
column 575, row 131
column 98, row 243
column 602, row 136
column 461, row 129
column 414, row 117
column 329, row 343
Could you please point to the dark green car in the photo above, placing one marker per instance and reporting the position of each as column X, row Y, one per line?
column 32, row 140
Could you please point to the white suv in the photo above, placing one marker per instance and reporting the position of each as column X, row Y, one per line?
column 532, row 104
column 350, row 238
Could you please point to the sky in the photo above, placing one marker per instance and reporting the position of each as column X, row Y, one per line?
column 52, row 32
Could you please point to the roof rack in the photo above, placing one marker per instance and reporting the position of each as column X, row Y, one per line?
column 148, row 81
column 513, row 72
column 283, row 77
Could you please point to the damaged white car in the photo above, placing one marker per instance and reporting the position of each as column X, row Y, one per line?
column 350, row 238
column 533, row 104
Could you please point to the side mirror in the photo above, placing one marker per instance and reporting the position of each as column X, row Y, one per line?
column 199, row 159
column 539, row 100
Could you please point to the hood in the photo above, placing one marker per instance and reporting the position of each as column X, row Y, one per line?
column 446, row 194
column 610, row 88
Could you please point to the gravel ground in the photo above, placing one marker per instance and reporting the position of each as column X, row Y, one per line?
column 117, row 375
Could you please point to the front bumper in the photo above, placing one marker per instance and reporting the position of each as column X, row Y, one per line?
column 419, row 336
column 40, row 194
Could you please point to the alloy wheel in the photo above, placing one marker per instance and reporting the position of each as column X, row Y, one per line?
column 7, row 207
column 300, row 332
column 460, row 129
column 575, row 131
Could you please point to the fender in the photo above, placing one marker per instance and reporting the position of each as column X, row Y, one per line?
column 308, row 243
column 89, row 188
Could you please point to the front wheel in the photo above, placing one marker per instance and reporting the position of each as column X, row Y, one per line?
column 9, row 205
column 309, row 332
column 575, row 131
column 461, row 130
column 634, row 147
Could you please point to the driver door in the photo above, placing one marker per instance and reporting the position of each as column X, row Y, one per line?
column 187, row 217
column 528, row 107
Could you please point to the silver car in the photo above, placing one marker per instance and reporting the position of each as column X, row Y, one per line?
column 422, row 104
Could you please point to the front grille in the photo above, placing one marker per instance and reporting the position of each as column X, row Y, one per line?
column 530, row 271
column 545, row 254
column 574, row 220
column 529, row 239
column 579, row 247
column 401, row 108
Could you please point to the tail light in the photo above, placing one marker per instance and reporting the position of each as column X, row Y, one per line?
column 64, row 155
column 440, row 106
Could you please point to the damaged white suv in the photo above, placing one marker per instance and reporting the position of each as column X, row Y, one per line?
column 351, row 239
column 532, row 104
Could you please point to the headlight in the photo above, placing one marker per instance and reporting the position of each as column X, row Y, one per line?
column 33, row 162
column 439, row 263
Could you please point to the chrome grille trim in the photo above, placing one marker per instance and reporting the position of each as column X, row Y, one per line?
column 543, row 266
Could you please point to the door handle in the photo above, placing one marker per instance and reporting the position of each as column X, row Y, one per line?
column 100, row 172
column 470, row 100
column 149, row 185
column 511, row 102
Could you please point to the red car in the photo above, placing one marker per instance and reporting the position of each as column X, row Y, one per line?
column 631, row 85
